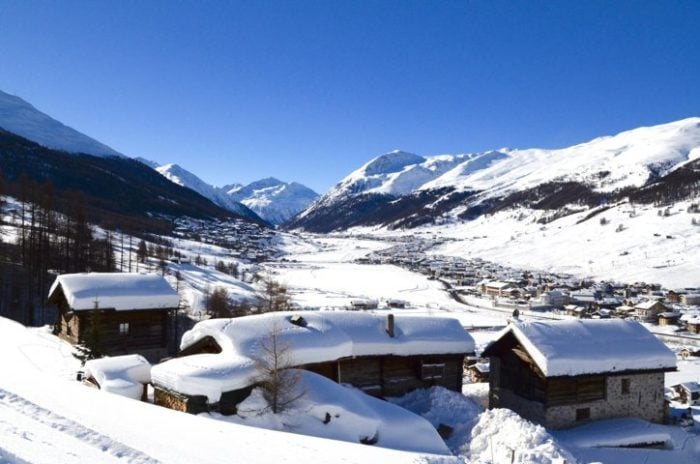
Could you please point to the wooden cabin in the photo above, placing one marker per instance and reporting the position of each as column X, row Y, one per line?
column 693, row 325
column 564, row 373
column 688, row 393
column 478, row 372
column 382, row 355
column 669, row 318
column 123, row 313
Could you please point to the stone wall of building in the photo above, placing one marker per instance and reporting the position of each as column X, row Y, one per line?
column 645, row 401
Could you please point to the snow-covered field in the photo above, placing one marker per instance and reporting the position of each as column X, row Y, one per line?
column 636, row 243
column 324, row 276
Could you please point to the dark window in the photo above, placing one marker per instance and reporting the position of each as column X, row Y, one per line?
column 433, row 371
column 583, row 414
column 626, row 386
column 124, row 328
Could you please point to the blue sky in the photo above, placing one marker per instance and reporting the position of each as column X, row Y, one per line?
column 310, row 90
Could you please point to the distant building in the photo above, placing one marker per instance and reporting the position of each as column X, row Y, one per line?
column 563, row 373
column 127, row 312
column 649, row 310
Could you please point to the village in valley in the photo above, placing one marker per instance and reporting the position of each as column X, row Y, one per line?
column 368, row 340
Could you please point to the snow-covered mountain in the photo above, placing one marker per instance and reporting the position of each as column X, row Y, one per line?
column 402, row 189
column 272, row 199
column 21, row 118
column 185, row 178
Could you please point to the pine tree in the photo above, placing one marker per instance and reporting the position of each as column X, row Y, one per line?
column 91, row 345
column 218, row 303
column 142, row 252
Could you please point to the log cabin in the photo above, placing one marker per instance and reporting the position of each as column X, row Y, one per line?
column 383, row 355
column 127, row 313
column 564, row 373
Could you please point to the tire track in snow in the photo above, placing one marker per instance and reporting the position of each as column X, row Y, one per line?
column 74, row 429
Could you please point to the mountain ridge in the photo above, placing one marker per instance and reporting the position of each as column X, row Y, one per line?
column 474, row 183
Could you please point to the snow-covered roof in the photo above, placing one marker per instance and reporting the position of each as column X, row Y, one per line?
column 321, row 337
column 498, row 284
column 690, row 386
column 576, row 347
column 115, row 290
column 648, row 304
column 121, row 375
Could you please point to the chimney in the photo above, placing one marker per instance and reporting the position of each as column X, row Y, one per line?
column 390, row 325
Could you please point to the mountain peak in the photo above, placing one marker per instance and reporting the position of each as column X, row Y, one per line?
column 393, row 161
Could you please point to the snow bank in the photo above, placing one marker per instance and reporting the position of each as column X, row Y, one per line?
column 575, row 347
column 121, row 375
column 115, row 290
column 438, row 406
column 330, row 410
column 316, row 337
column 615, row 432
column 503, row 437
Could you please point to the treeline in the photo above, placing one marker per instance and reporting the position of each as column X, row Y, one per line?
column 44, row 243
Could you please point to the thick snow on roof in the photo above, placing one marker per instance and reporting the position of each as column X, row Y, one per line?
column 121, row 375
column 115, row 290
column 322, row 337
column 591, row 346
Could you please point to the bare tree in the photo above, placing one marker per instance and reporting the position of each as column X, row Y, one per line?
column 279, row 383
column 274, row 296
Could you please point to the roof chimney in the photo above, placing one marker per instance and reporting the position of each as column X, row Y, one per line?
column 390, row 325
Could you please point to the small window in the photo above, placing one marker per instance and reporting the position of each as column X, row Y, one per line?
column 626, row 383
column 124, row 328
column 433, row 371
column 583, row 414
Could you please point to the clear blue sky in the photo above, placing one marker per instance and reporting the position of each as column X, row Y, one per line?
column 310, row 90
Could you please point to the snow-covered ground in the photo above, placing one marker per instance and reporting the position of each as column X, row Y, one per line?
column 636, row 243
column 322, row 275
column 46, row 417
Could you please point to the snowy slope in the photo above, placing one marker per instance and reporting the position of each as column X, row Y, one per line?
column 272, row 199
column 180, row 176
column 47, row 417
column 629, row 159
column 21, row 118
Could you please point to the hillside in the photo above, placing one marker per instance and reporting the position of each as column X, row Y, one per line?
column 19, row 117
column 116, row 191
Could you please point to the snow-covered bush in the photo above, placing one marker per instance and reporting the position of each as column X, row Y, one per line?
column 441, row 406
